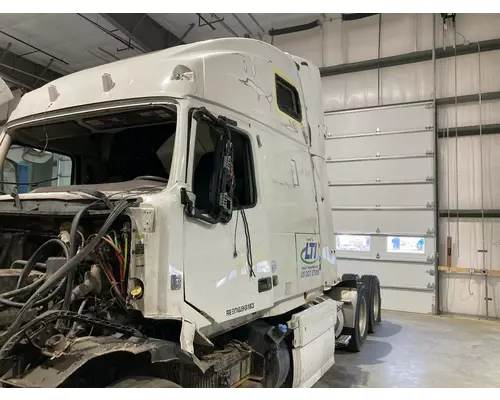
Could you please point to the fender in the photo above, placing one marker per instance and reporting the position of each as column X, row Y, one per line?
column 53, row 372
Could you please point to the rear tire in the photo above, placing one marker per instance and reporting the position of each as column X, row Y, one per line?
column 360, row 330
column 143, row 382
column 374, row 301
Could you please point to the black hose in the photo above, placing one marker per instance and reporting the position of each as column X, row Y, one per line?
column 41, row 267
column 293, row 29
column 39, row 303
column 354, row 17
column 35, row 257
column 24, row 290
column 72, row 252
column 62, row 272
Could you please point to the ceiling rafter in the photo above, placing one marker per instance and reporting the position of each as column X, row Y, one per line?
column 143, row 30
column 24, row 73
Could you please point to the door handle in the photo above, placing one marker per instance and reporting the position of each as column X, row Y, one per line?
column 265, row 284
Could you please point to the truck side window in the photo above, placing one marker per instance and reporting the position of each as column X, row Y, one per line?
column 288, row 99
column 244, row 192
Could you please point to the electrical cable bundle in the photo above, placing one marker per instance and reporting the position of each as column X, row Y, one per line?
column 63, row 276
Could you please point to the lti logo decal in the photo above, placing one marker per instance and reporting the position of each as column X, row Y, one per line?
column 309, row 254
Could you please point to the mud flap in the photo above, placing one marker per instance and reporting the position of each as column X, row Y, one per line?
column 314, row 342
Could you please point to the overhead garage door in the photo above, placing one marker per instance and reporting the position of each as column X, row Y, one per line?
column 381, row 170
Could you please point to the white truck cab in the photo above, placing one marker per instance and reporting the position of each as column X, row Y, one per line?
column 216, row 153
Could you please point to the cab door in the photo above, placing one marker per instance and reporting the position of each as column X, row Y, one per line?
column 227, row 273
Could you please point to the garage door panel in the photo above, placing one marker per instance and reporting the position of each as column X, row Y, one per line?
column 407, row 300
column 381, row 170
column 355, row 221
column 385, row 119
column 383, row 145
column 382, row 195
column 408, row 170
column 385, row 248
column 391, row 274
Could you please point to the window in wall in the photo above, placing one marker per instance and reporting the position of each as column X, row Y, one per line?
column 288, row 99
column 353, row 243
column 244, row 192
column 402, row 244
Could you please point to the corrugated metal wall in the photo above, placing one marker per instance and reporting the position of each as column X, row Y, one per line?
column 460, row 170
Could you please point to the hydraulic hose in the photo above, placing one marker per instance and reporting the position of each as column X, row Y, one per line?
column 62, row 272
column 30, row 265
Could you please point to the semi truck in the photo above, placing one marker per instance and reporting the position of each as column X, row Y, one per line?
column 171, row 227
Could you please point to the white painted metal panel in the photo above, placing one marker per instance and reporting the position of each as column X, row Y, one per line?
column 358, row 89
column 468, row 234
column 468, row 114
column 391, row 275
column 314, row 342
column 381, row 165
column 312, row 361
column 469, row 172
column 382, row 195
column 407, row 300
column 380, row 119
column 313, row 322
column 387, row 221
column 410, row 169
column 409, row 82
column 401, row 142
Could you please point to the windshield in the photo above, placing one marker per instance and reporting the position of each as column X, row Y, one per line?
column 107, row 152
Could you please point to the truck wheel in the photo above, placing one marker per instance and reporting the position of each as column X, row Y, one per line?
column 143, row 382
column 360, row 330
column 350, row 277
column 374, row 301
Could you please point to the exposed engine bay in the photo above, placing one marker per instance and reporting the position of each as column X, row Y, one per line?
column 57, row 272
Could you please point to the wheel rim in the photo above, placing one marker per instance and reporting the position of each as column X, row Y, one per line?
column 376, row 307
column 362, row 317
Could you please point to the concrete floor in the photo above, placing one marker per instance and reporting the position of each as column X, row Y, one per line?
column 412, row 350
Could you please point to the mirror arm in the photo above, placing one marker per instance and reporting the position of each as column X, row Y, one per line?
column 191, row 211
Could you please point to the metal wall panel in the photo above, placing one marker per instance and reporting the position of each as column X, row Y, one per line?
column 398, row 217
column 468, row 234
column 350, row 91
column 468, row 114
column 469, row 172
column 352, row 41
column 465, row 294
column 405, row 83
column 306, row 44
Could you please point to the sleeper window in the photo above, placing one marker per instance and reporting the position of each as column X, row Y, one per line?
column 288, row 99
